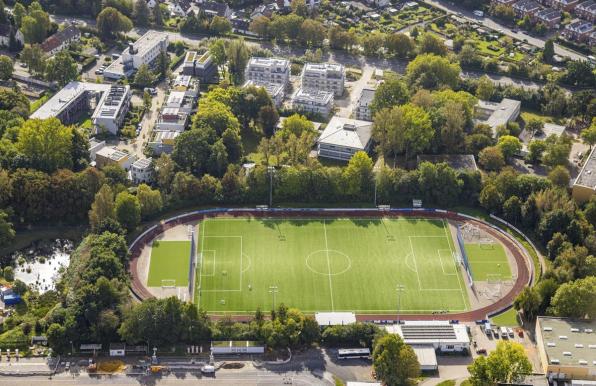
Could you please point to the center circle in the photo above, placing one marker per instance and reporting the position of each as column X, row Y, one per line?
column 328, row 262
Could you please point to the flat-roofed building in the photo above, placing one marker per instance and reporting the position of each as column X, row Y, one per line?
column 276, row 91
column 94, row 147
column 313, row 101
column 172, row 119
column 335, row 318
column 497, row 114
column 112, row 156
column 144, row 51
column 268, row 70
column 343, row 137
column 111, row 109
column 438, row 334
column 186, row 84
column 584, row 185
column 163, row 141
column 324, row 76
column 567, row 348
column 200, row 66
column 141, row 171
column 427, row 358
column 363, row 111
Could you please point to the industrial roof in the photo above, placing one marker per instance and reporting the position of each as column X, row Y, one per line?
column 335, row 318
column 347, row 132
column 63, row 98
column 111, row 102
column 427, row 357
column 430, row 332
column 569, row 342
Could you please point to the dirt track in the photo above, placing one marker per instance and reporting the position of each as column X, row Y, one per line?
column 523, row 263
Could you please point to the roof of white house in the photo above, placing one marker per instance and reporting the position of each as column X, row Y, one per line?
column 502, row 112
column 111, row 153
column 347, row 132
column 63, row 98
column 111, row 102
column 142, row 163
column 147, row 42
column 429, row 332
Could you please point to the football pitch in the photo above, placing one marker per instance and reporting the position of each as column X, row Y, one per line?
column 169, row 262
column 328, row 265
column 488, row 261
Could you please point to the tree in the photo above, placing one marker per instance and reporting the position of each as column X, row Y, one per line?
column 507, row 364
column 549, row 51
column 535, row 150
column 528, row 302
column 509, row 146
column 267, row 120
column 19, row 11
column 237, row 54
column 191, row 151
column 220, row 25
column 164, row 172
column 260, row 26
column 144, row 76
column 35, row 26
column 534, row 126
column 559, row 176
column 147, row 100
column 6, row 67
column 128, row 210
column 575, row 299
column 296, row 124
column 7, row 232
column 485, row 88
column 588, row 135
column 157, row 15
column 430, row 44
column 102, row 207
column 394, row 362
column 8, row 273
column 150, row 201
column 61, row 68
column 358, row 175
column 142, row 12
column 47, row 144
column 163, row 64
column 110, row 22
column 400, row 45
column 372, row 43
column 431, row 72
column 312, row 33
column 490, row 198
column 300, row 8
column 33, row 57
column 390, row 93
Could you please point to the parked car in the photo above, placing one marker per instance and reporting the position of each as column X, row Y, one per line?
column 510, row 332
column 99, row 71
column 208, row 369
column 481, row 351
column 478, row 13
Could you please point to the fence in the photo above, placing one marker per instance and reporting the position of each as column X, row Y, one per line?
column 464, row 255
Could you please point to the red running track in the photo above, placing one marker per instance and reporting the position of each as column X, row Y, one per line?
column 523, row 264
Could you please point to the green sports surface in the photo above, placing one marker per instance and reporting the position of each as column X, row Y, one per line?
column 328, row 265
column 488, row 260
column 170, row 260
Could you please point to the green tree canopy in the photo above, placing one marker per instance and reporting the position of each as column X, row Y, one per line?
column 394, row 362
column 61, row 68
column 431, row 72
column 128, row 210
column 47, row 144
column 110, row 22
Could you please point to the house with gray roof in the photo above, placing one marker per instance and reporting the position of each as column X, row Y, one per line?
column 343, row 137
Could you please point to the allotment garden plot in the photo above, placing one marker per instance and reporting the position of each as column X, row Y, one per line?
column 328, row 265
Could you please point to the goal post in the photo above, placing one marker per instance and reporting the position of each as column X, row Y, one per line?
column 168, row 283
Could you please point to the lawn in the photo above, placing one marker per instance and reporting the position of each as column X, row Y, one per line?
column 487, row 260
column 507, row 319
column 328, row 265
column 170, row 260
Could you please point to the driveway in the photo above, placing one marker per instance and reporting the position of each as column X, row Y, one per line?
column 353, row 89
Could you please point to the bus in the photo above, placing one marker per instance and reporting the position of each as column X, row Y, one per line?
column 353, row 353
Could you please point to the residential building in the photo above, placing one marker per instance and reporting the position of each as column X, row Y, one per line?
column 6, row 31
column 109, row 105
column 94, row 147
column 578, row 30
column 180, row 7
column 567, row 349
column 565, row 5
column 241, row 25
column 584, row 185
column 144, row 51
column 441, row 335
column 313, row 101
column 508, row 3
column 176, row 111
column 497, row 114
column 112, row 156
column 550, row 17
column 324, row 76
column 363, row 111
column 343, row 137
column 276, row 91
column 378, row 3
column 212, row 8
column 186, row 84
column 586, row 10
column 61, row 40
column 268, row 70
column 525, row 8
column 111, row 109
column 201, row 66
column 592, row 39
column 141, row 171
column 163, row 142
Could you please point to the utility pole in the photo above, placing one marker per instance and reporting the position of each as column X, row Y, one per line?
column 400, row 288
column 273, row 290
column 270, row 169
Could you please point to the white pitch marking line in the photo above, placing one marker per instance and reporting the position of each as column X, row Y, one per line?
column 415, row 264
column 328, row 264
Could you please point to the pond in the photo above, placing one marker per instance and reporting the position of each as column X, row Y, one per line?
column 41, row 264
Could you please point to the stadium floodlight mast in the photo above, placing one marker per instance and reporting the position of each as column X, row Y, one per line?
column 270, row 169
column 273, row 290
column 400, row 288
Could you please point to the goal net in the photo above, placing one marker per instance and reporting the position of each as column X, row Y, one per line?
column 470, row 233
column 168, row 283
column 486, row 243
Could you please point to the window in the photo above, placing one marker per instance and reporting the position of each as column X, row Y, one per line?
column 450, row 347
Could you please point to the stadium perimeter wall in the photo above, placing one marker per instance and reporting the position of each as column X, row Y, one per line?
column 522, row 258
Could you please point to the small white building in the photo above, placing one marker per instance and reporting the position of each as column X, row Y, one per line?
column 343, row 137
column 324, row 76
column 163, row 141
column 438, row 334
column 141, row 171
column 237, row 347
column 313, row 101
column 94, row 147
column 117, row 349
column 268, row 70
column 363, row 111
column 334, row 318
column 497, row 114
column 111, row 156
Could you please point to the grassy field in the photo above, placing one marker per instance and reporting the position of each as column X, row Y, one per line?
column 169, row 261
column 328, row 265
column 486, row 260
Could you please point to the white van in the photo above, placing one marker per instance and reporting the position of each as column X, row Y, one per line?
column 504, row 332
column 208, row 369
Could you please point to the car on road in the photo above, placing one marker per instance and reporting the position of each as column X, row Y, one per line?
column 99, row 71
column 208, row 369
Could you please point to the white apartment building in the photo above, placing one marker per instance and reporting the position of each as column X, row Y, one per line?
column 141, row 171
column 268, row 70
column 363, row 110
column 324, row 76
column 143, row 51
column 275, row 91
column 111, row 109
column 343, row 137
column 313, row 101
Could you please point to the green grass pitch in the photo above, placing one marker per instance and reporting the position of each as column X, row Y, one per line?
column 328, row 265
column 169, row 261
column 486, row 260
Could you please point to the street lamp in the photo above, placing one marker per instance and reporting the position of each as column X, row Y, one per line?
column 273, row 290
column 270, row 169
column 400, row 288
